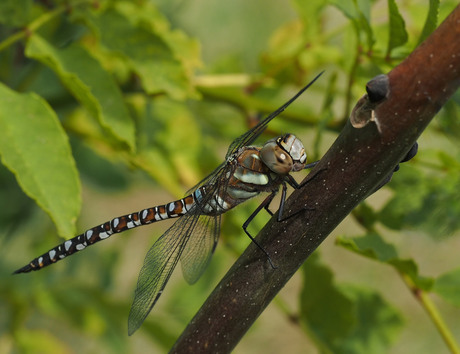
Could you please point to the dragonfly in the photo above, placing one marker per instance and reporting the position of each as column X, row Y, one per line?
column 246, row 172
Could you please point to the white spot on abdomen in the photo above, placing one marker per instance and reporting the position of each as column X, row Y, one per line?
column 80, row 246
column 104, row 235
column 67, row 245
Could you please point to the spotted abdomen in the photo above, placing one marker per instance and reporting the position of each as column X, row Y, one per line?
column 116, row 225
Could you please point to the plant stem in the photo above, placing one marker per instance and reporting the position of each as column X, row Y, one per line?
column 434, row 314
column 239, row 80
column 251, row 283
column 37, row 23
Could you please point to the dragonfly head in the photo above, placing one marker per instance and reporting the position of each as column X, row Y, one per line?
column 284, row 154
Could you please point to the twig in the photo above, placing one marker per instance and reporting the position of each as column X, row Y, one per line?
column 355, row 165
column 433, row 312
column 37, row 23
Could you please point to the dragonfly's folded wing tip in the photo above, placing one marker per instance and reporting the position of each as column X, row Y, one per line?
column 134, row 323
column 131, row 331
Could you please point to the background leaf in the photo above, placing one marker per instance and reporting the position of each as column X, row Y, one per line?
column 35, row 148
column 352, row 320
column 431, row 20
column 89, row 83
column 398, row 34
column 374, row 247
column 448, row 286
column 150, row 94
column 147, row 53
column 16, row 12
column 431, row 205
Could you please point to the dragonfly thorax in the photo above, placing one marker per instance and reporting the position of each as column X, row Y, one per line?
column 284, row 154
column 247, row 172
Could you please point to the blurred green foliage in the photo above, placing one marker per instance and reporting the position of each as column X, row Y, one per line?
column 116, row 98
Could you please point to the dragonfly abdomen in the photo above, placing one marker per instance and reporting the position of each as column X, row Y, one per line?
column 119, row 224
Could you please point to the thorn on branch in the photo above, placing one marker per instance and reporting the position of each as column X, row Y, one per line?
column 378, row 90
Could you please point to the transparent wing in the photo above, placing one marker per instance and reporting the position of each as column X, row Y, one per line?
column 199, row 249
column 159, row 263
column 211, row 180
column 247, row 139
column 192, row 238
column 180, row 241
column 251, row 135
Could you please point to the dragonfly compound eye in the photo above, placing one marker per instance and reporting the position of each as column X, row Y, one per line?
column 276, row 158
column 246, row 172
column 295, row 149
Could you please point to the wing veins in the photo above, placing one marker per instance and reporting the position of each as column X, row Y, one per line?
column 159, row 263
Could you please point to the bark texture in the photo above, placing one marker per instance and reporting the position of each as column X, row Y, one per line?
column 358, row 162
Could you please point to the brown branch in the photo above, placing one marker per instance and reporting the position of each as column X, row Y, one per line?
column 355, row 165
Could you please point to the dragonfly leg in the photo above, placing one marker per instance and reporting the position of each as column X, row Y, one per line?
column 311, row 165
column 293, row 183
column 283, row 199
column 263, row 205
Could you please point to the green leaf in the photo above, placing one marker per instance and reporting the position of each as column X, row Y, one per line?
column 431, row 20
column 448, row 162
column 347, row 7
column 378, row 323
column 374, row 247
column 147, row 53
column 35, row 148
column 448, row 286
column 329, row 324
column 102, row 172
column 359, row 14
column 449, row 118
column 422, row 206
column 15, row 13
column 364, row 7
column 345, row 319
column 405, row 200
column 146, row 15
column 159, row 154
column 287, row 41
column 309, row 12
column 365, row 215
column 397, row 28
column 89, row 83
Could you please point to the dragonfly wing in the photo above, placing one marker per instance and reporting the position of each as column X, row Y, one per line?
column 203, row 241
column 159, row 263
column 252, row 134
column 199, row 249
column 210, row 180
